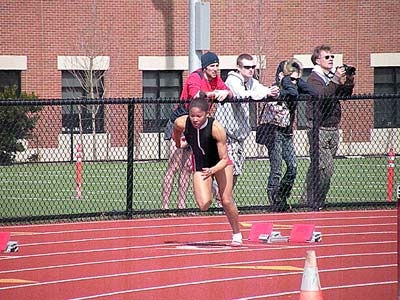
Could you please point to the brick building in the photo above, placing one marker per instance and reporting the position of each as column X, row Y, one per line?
column 142, row 48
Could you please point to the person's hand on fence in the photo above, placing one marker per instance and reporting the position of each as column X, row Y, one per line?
column 273, row 91
column 221, row 95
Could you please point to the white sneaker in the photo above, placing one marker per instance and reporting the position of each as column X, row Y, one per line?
column 237, row 240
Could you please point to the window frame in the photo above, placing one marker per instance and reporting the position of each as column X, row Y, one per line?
column 387, row 111
column 7, row 81
column 161, row 111
column 71, row 120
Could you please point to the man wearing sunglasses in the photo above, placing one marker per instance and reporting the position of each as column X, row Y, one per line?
column 235, row 117
column 324, row 113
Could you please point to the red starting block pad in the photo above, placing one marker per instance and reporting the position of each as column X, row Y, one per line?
column 4, row 239
column 258, row 229
column 302, row 233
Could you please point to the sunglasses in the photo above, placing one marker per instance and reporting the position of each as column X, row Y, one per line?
column 329, row 56
column 249, row 67
column 294, row 78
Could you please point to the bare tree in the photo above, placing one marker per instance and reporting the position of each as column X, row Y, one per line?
column 90, row 70
column 264, row 37
column 91, row 81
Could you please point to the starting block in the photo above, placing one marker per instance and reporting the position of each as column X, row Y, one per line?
column 11, row 247
column 6, row 245
column 302, row 233
column 275, row 236
column 263, row 232
column 258, row 229
column 4, row 238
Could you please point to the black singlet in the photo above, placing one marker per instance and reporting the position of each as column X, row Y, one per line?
column 205, row 150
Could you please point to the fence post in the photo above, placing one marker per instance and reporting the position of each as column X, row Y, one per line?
column 130, row 153
column 314, row 151
column 71, row 128
column 158, row 122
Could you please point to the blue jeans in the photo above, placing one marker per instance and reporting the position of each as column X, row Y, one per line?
column 281, row 148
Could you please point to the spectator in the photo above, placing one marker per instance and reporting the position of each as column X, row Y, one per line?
column 280, row 145
column 325, row 114
column 207, row 138
column 204, row 80
column 178, row 163
column 234, row 117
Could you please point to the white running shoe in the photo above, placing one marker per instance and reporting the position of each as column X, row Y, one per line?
column 237, row 240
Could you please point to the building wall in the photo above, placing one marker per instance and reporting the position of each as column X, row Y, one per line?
column 125, row 30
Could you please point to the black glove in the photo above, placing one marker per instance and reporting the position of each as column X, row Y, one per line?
column 288, row 87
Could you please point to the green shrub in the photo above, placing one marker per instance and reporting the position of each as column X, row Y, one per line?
column 16, row 124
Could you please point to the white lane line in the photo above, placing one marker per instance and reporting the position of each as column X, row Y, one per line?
column 215, row 280
column 79, row 279
column 174, row 234
column 271, row 218
column 277, row 222
column 323, row 289
column 167, row 246
column 254, row 247
column 190, row 254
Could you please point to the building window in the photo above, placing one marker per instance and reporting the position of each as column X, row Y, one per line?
column 82, row 117
column 10, row 78
column 386, row 111
column 159, row 85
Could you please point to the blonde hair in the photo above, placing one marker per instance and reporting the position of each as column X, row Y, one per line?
column 292, row 65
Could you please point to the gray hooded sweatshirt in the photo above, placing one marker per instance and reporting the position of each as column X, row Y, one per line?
column 234, row 117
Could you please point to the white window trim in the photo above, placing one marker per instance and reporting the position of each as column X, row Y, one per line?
column 162, row 63
column 13, row 62
column 100, row 63
column 385, row 59
column 175, row 63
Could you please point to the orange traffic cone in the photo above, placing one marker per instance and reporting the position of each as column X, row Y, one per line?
column 310, row 286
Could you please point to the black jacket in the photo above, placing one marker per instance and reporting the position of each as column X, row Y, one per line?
column 288, row 93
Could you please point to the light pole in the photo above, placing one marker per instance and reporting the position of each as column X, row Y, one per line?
column 199, row 32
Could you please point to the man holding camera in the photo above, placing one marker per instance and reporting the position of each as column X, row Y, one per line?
column 323, row 118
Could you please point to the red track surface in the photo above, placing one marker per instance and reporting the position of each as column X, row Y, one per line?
column 185, row 258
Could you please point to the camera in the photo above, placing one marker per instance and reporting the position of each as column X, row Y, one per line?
column 349, row 70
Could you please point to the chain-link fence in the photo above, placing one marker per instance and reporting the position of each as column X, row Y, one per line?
column 108, row 158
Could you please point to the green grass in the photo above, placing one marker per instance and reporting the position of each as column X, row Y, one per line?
column 354, row 180
column 49, row 189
